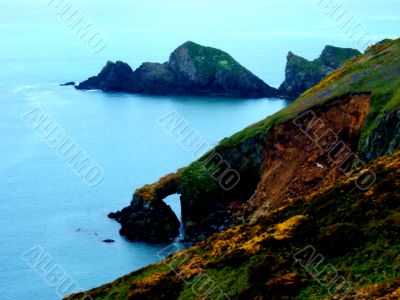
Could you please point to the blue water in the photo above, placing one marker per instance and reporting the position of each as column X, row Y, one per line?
column 42, row 201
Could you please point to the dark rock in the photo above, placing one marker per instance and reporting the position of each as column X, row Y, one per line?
column 148, row 221
column 191, row 70
column 108, row 241
column 114, row 77
column 302, row 74
column 112, row 215
column 153, row 78
column 68, row 83
column 385, row 139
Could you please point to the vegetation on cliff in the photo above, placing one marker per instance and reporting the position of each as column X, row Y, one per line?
column 301, row 74
column 351, row 234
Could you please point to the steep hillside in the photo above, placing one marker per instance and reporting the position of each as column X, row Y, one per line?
column 339, row 123
column 301, row 74
column 339, row 242
column 192, row 69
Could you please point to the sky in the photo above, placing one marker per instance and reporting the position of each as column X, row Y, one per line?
column 148, row 30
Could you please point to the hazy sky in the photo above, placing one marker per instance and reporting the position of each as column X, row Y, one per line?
column 148, row 30
column 188, row 17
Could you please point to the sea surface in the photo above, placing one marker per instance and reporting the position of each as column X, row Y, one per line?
column 44, row 204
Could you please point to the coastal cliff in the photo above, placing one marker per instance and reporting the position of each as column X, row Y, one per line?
column 277, row 161
column 192, row 69
column 302, row 74
column 312, row 174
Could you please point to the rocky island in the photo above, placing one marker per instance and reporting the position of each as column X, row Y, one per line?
column 320, row 176
column 302, row 74
column 192, row 69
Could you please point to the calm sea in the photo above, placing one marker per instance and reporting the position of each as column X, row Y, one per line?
column 43, row 203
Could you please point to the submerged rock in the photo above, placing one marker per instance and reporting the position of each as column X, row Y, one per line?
column 108, row 241
column 302, row 74
column 192, row 69
column 68, row 83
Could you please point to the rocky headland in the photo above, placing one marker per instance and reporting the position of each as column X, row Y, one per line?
column 302, row 74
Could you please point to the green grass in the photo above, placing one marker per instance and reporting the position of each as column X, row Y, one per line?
column 196, row 181
column 208, row 60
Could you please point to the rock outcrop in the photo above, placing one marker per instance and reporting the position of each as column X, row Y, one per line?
column 114, row 77
column 152, row 223
column 148, row 218
column 386, row 138
column 71, row 83
column 302, row 74
column 191, row 70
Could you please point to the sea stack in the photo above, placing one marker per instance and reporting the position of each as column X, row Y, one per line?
column 192, row 69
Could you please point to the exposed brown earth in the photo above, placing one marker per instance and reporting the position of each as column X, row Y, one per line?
column 300, row 158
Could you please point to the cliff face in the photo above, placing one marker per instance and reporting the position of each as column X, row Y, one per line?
column 302, row 74
column 191, row 70
column 385, row 139
column 296, row 163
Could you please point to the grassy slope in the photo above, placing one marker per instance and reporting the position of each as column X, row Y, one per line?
column 356, row 232
column 208, row 60
column 377, row 71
